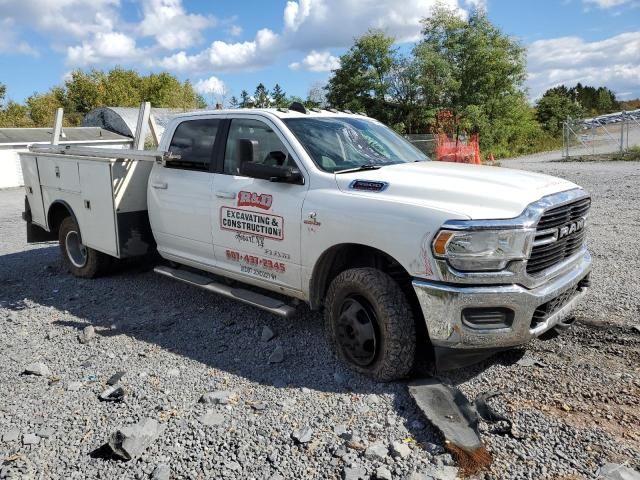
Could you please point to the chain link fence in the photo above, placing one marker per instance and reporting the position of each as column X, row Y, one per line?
column 425, row 142
column 611, row 133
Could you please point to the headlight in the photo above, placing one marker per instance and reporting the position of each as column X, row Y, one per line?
column 472, row 250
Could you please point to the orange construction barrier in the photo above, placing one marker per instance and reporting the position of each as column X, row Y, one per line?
column 448, row 150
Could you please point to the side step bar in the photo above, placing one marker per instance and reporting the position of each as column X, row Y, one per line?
column 272, row 305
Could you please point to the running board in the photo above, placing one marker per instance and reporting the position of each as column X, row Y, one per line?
column 272, row 305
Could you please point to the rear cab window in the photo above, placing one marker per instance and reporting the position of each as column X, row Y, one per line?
column 192, row 144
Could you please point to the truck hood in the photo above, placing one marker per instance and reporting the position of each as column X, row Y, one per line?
column 473, row 191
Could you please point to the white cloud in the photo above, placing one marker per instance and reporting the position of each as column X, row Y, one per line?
column 234, row 30
column 614, row 62
column 111, row 46
column 171, row 25
column 9, row 42
column 210, row 86
column 317, row 62
column 607, row 3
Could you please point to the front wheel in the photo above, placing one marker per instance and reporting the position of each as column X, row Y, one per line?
column 80, row 260
column 370, row 324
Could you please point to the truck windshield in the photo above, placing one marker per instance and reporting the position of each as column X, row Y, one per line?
column 345, row 143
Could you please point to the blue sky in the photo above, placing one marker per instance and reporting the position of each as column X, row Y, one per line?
column 224, row 47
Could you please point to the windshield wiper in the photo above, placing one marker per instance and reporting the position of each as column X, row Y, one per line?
column 366, row 166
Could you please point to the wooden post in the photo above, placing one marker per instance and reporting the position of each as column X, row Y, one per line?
column 57, row 127
column 141, row 127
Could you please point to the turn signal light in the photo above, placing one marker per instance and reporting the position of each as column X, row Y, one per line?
column 440, row 243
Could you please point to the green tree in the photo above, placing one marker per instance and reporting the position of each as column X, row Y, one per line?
column 554, row 107
column 234, row 103
column 261, row 97
column 42, row 107
column 3, row 92
column 279, row 97
column 245, row 100
column 14, row 115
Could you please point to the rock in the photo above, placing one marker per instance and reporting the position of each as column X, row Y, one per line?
column 433, row 448
column 38, row 368
column 131, row 441
column 161, row 472
column 174, row 372
column 112, row 394
column 45, row 432
column 305, row 390
column 30, row 439
column 615, row 471
column 211, row 419
column 267, row 334
column 277, row 355
column 74, row 386
column 354, row 473
column 259, row 406
column 383, row 473
column 527, row 361
column 399, row 449
column 440, row 473
column 11, row 435
column 376, row 451
column 219, row 397
column 115, row 378
column 303, row 435
column 87, row 335
column 340, row 430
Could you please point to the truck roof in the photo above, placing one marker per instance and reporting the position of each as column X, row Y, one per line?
column 278, row 112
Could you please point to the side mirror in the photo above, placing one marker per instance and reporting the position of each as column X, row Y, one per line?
column 273, row 173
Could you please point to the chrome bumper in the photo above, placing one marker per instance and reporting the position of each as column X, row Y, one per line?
column 442, row 307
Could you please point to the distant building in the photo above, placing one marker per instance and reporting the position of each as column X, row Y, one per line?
column 15, row 140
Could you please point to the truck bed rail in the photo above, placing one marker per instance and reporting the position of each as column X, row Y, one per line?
column 96, row 152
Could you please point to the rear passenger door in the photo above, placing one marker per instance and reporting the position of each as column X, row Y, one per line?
column 257, row 233
column 180, row 194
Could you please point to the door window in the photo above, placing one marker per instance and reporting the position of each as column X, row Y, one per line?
column 254, row 141
column 193, row 142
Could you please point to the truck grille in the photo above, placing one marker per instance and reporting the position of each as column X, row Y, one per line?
column 551, row 246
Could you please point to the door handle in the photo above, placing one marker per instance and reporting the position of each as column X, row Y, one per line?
column 221, row 194
column 160, row 185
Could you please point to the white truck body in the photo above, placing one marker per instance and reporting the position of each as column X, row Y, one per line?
column 284, row 237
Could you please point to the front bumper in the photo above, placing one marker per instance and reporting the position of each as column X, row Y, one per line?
column 443, row 304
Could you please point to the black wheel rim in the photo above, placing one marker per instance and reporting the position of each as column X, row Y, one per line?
column 357, row 330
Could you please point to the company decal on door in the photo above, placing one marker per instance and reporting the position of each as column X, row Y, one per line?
column 253, row 199
column 253, row 223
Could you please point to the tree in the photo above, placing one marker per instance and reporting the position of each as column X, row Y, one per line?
column 261, row 97
column 42, row 107
column 245, row 100
column 316, row 96
column 279, row 97
column 554, row 107
column 3, row 92
column 14, row 115
column 233, row 103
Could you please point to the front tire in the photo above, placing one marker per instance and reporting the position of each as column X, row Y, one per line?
column 80, row 260
column 370, row 324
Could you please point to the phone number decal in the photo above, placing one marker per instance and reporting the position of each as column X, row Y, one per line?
column 253, row 260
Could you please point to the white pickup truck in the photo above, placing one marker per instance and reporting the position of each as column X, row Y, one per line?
column 336, row 210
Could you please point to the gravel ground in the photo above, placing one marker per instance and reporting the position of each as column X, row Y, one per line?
column 574, row 410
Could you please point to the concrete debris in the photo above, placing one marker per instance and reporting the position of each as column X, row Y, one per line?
column 267, row 334
column 219, row 397
column 383, row 473
column 376, row 451
column 11, row 435
column 277, row 356
column 131, row 441
column 161, row 472
column 303, row 435
column 528, row 361
column 354, row 473
column 30, row 439
column 112, row 393
column 399, row 449
column 38, row 368
column 87, row 335
column 74, row 386
column 615, row 471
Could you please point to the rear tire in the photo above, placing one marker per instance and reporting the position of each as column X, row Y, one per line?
column 80, row 260
column 370, row 324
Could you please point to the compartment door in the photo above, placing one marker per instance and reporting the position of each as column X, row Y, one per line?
column 31, row 176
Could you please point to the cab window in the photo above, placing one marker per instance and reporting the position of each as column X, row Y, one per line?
column 254, row 141
column 193, row 142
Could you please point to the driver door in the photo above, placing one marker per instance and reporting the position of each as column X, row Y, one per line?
column 258, row 231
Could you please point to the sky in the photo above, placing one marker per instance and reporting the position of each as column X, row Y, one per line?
column 226, row 46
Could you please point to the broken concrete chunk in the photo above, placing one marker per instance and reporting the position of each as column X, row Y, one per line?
column 112, row 394
column 131, row 441
column 161, row 472
column 354, row 473
column 38, row 369
column 219, row 397
column 376, row 451
column 267, row 334
column 30, row 439
column 87, row 335
column 11, row 435
column 74, row 386
column 383, row 473
column 303, row 435
column 399, row 449
column 277, row 356
column 615, row 471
